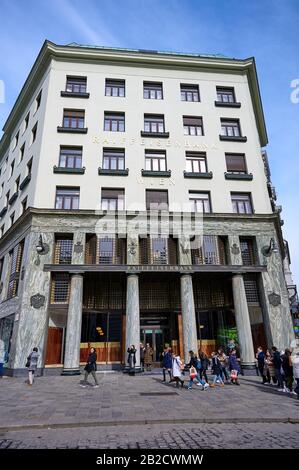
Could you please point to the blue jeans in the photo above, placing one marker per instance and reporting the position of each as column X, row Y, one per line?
column 190, row 383
column 217, row 377
column 279, row 378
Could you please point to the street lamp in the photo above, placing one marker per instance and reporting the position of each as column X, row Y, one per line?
column 42, row 248
column 272, row 248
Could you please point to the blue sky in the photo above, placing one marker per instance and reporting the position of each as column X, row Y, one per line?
column 266, row 29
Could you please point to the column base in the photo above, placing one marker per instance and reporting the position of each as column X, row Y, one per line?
column 71, row 372
column 127, row 369
column 248, row 365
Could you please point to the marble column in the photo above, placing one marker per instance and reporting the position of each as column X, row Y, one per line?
column 133, row 318
column 188, row 316
column 243, row 322
column 73, row 329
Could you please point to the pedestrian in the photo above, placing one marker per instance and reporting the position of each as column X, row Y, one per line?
column 277, row 365
column 148, row 357
column 204, row 365
column 194, row 367
column 223, row 363
column 295, row 362
column 3, row 357
column 287, row 366
column 90, row 368
column 142, row 352
column 269, row 370
column 234, row 367
column 132, row 359
column 177, row 367
column 260, row 357
column 31, row 363
column 216, row 370
column 166, row 363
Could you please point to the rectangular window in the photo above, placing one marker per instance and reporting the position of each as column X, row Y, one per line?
column 196, row 162
column 156, row 200
column 38, row 100
column 115, row 87
column 24, row 204
column 16, row 256
column 113, row 199
column 248, row 252
column 63, row 249
column 67, row 198
column 200, row 202
column 152, row 91
column 76, row 84
column 60, row 288
column 73, row 118
column 22, row 152
column 114, row 122
column 154, row 123
column 113, row 159
column 189, row 92
column 193, row 125
column 155, row 161
column 225, row 95
column 251, row 289
column 235, row 163
column 241, row 203
column 211, row 250
column 70, row 157
column 158, row 250
column 230, row 128
column 111, row 250
column 33, row 133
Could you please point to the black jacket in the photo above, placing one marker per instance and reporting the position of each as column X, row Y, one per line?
column 131, row 353
column 91, row 362
column 216, row 366
column 193, row 362
column 277, row 360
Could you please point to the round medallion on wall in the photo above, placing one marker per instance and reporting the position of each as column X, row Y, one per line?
column 274, row 299
column 37, row 301
column 235, row 249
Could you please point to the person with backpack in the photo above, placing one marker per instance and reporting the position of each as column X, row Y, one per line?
column 234, row 367
column 277, row 365
column 31, row 363
column 166, row 363
column 216, row 370
column 90, row 368
column 177, row 367
column 194, row 367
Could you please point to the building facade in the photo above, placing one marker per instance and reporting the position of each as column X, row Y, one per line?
column 136, row 205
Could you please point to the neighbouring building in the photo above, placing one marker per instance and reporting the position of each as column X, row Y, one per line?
column 104, row 155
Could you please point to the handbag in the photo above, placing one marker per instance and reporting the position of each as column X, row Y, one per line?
column 193, row 372
column 234, row 374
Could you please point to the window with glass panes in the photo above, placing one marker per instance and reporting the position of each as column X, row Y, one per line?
column 196, row 162
column 159, row 250
column 113, row 199
column 73, row 118
column 189, row 92
column 152, row 91
column 63, row 249
column 76, row 84
column 241, row 203
column 114, row 87
column 60, row 288
column 192, row 125
column 67, row 198
column 230, row 128
column 235, row 163
column 247, row 251
column 70, row 157
column 225, row 95
column 114, row 159
column 155, row 161
column 156, row 200
column 114, row 122
column 200, row 202
column 16, row 256
column 153, row 123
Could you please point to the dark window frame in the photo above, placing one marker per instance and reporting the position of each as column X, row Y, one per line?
column 154, row 90
column 225, row 91
column 197, row 157
column 196, row 122
column 111, row 117
column 70, row 154
column 110, row 154
column 233, row 124
column 190, row 90
column 152, row 156
column 73, row 116
column 161, row 206
column 115, row 84
column 152, row 121
column 201, row 200
column 236, row 171
column 74, row 198
column 75, row 84
column 116, row 199
column 238, row 203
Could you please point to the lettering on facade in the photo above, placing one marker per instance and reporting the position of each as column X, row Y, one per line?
column 156, row 143
column 155, row 268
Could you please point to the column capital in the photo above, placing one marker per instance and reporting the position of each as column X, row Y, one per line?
column 77, row 273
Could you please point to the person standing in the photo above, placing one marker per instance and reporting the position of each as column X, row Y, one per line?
column 132, row 359
column 32, row 360
column 216, row 369
column 177, row 366
column 234, row 367
column 166, row 363
column 223, row 363
column 260, row 357
column 287, row 366
column 295, row 362
column 277, row 365
column 148, row 357
column 204, row 365
column 2, row 357
column 269, row 370
column 90, row 368
column 142, row 352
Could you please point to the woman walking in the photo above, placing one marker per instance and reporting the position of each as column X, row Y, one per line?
column 90, row 368
column 216, row 369
column 204, row 365
column 177, row 366
column 194, row 372
column 32, row 360
column 269, row 369
column 166, row 363
column 223, row 363
column 234, row 367
column 148, row 357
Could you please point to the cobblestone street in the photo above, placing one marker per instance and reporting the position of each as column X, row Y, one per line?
column 142, row 412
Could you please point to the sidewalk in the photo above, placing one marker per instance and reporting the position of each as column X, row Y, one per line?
column 123, row 400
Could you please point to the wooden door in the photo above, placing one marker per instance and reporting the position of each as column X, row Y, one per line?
column 54, row 345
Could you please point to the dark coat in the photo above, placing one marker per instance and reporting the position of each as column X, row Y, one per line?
column 192, row 363
column 261, row 358
column 287, row 367
column 167, row 360
column 277, row 360
column 131, row 355
column 205, row 362
column 233, row 363
column 216, row 366
column 91, row 364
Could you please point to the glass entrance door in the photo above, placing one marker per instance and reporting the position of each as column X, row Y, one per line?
column 155, row 337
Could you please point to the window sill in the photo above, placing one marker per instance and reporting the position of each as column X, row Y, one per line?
column 3, row 212
column 230, row 138
column 158, row 135
column 103, row 171
column 13, row 198
column 207, row 175
column 75, row 171
column 222, row 104
column 25, row 181
column 72, row 130
column 70, row 94
column 161, row 174
column 236, row 176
